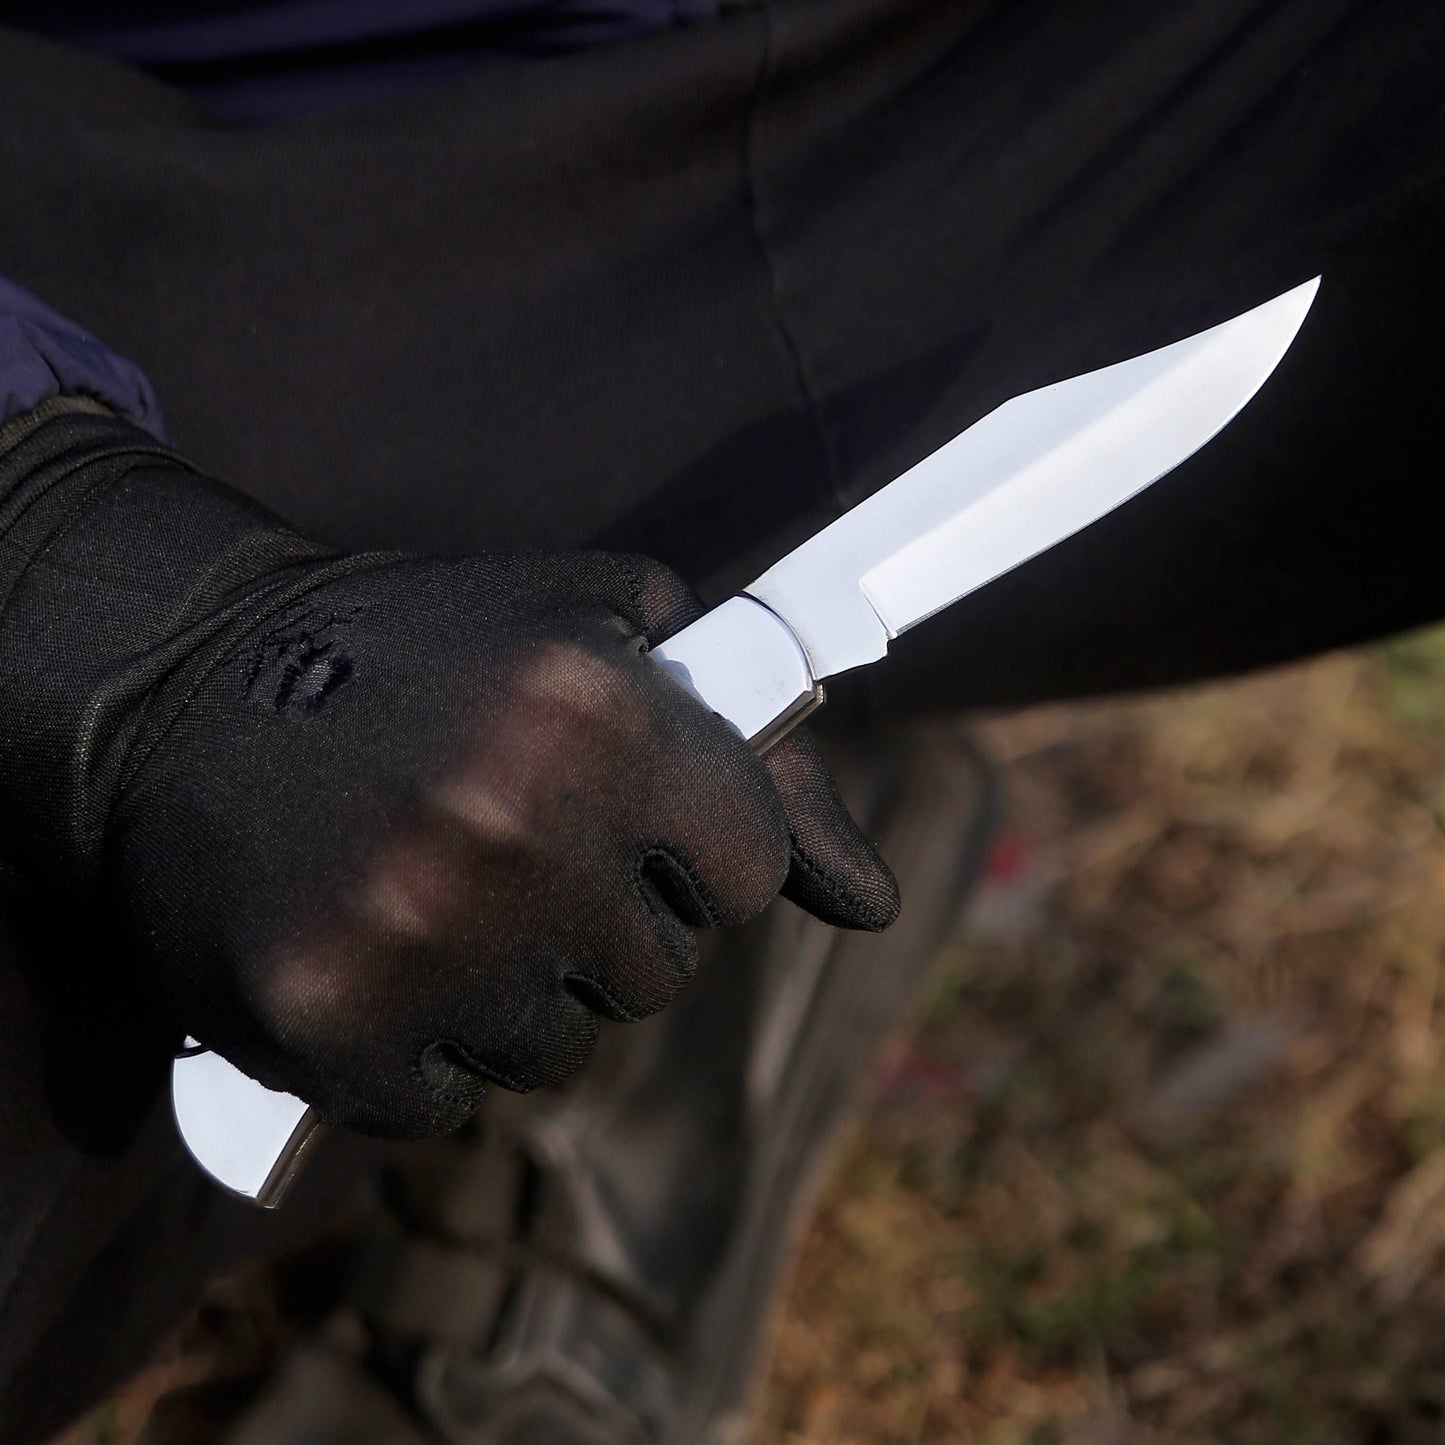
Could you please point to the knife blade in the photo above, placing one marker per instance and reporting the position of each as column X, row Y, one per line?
column 1027, row 475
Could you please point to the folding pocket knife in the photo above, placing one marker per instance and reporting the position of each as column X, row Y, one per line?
column 1022, row 479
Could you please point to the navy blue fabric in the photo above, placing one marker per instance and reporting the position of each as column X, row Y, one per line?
column 43, row 355
column 272, row 59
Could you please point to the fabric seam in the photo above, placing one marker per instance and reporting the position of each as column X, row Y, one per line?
column 832, row 486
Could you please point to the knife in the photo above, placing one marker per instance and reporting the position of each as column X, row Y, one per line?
column 1022, row 479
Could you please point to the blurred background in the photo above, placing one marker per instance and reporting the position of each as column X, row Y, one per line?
column 1162, row 1160
column 1158, row 1158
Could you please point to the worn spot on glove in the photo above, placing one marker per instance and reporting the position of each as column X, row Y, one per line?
column 311, row 677
column 312, row 658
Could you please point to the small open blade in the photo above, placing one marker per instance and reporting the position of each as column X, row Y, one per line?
column 1029, row 474
column 1025, row 477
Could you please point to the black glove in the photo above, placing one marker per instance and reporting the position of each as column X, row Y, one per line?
column 384, row 827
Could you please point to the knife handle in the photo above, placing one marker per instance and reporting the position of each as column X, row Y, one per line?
column 741, row 660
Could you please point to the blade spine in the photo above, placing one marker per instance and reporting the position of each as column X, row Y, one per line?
column 806, row 546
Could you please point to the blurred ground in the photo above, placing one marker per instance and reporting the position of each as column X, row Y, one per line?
column 1163, row 1160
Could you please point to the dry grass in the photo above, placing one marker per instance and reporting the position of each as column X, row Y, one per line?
column 1163, row 1161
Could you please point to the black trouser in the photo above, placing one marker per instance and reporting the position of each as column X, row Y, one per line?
column 694, row 295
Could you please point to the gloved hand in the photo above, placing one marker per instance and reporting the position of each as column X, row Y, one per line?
column 385, row 827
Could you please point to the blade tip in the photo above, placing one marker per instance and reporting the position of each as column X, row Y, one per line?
column 1285, row 314
column 1301, row 297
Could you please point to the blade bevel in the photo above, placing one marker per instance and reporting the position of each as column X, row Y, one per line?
column 1020, row 480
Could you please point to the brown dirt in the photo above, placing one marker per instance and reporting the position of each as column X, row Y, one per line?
column 1162, row 1162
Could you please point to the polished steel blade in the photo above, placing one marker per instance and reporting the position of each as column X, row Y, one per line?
column 1029, row 474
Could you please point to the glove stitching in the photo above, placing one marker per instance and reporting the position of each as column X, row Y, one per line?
column 621, row 1011
column 487, row 1072
column 705, row 896
column 856, row 904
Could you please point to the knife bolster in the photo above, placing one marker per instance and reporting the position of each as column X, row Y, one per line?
column 743, row 662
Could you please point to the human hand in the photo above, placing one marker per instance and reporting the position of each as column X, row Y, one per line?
column 386, row 827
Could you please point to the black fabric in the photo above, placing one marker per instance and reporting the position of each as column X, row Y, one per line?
column 382, row 827
column 691, row 296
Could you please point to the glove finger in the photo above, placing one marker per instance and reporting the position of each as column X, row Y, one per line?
column 650, row 955
column 331, row 1000
column 710, row 815
column 541, row 1041
column 836, row 874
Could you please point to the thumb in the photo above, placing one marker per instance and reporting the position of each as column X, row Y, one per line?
column 836, row 873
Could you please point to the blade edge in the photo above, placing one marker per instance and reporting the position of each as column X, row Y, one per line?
column 819, row 588
column 1084, row 513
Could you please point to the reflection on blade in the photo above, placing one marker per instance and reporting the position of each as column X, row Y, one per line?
column 1028, row 475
